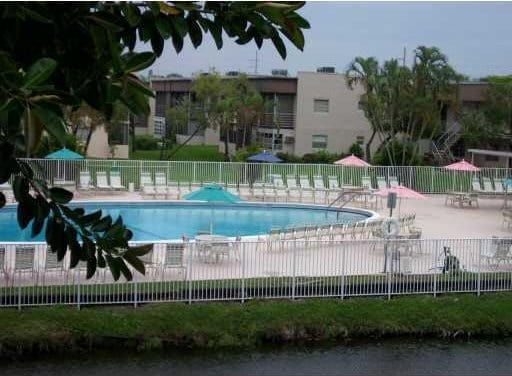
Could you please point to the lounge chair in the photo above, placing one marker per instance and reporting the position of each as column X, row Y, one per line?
column 321, row 191
column 24, row 261
column 307, row 192
column 507, row 218
column 269, row 192
column 3, row 265
column 244, row 191
column 393, row 182
column 366, row 182
column 488, row 189
column 174, row 258
column 258, row 191
column 174, row 191
column 278, row 182
column 475, row 185
column 334, row 185
column 499, row 252
column 498, row 187
column 381, row 183
column 293, row 188
column 146, row 184
column 102, row 181
column 160, row 184
column 115, row 180
column 281, row 194
column 85, row 181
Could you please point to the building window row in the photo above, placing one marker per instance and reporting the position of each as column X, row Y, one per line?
column 319, row 141
column 321, row 105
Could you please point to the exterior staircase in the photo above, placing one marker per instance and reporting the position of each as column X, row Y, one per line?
column 441, row 147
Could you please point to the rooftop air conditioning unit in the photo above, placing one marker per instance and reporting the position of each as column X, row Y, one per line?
column 280, row 72
column 289, row 140
column 326, row 70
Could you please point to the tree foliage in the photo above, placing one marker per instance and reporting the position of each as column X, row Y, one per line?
column 404, row 103
column 56, row 57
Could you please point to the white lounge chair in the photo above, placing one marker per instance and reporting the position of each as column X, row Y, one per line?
column 393, row 182
column 366, row 182
column 475, row 185
column 115, row 181
column 498, row 187
column 381, row 183
column 24, row 261
column 102, row 181
column 307, row 192
column 160, row 184
column 174, row 259
column 146, row 184
column 278, row 182
column 258, row 192
column 488, row 189
column 293, row 188
column 85, row 181
column 174, row 191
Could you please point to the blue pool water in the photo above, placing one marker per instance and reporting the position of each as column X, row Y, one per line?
column 165, row 220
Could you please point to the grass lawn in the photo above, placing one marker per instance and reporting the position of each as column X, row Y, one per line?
column 187, row 153
column 217, row 325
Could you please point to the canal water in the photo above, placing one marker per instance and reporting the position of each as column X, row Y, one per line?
column 386, row 358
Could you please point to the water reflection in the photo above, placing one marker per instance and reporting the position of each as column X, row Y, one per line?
column 387, row 358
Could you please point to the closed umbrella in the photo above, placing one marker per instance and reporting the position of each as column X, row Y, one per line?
column 212, row 193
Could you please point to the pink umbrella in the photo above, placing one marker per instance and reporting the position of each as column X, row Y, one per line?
column 352, row 160
column 462, row 166
column 402, row 192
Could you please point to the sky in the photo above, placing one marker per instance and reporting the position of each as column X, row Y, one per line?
column 476, row 37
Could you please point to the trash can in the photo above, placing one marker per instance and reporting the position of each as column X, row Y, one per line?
column 131, row 187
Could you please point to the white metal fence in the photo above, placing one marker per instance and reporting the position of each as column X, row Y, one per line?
column 424, row 179
column 267, row 269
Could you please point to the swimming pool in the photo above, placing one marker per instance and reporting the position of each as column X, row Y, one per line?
column 171, row 220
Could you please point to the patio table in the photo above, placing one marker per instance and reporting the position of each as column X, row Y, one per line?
column 212, row 247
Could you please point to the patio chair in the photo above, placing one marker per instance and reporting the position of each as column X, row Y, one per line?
column 3, row 265
column 475, row 185
column 258, row 192
column 393, row 182
column 488, row 189
column 498, row 252
column 115, row 181
column 498, row 187
column 160, row 184
column 470, row 199
column 102, row 181
column 174, row 191
column 269, row 192
column 174, row 258
column 24, row 261
column 293, row 188
column 366, row 183
column 85, row 181
column 150, row 264
column 52, row 265
column 277, row 181
column 281, row 194
column 334, row 185
column 146, row 184
column 507, row 218
column 307, row 192
column 381, row 183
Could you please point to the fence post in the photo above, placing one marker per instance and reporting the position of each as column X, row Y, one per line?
column 343, row 248
column 135, row 294
column 242, row 260
column 293, row 271
column 192, row 248
column 436, row 250
column 19, row 294
column 78, row 293
column 479, row 267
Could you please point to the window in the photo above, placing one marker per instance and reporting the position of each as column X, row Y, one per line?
column 319, row 142
column 271, row 141
column 360, row 140
column 321, row 105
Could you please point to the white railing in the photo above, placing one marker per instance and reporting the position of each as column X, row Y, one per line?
column 270, row 269
column 424, row 179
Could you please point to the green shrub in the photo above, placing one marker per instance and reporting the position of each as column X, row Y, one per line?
column 356, row 149
column 289, row 158
column 145, row 143
column 396, row 149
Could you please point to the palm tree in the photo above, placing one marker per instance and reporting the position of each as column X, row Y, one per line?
column 365, row 72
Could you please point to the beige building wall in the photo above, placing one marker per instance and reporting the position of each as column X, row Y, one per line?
column 99, row 148
column 342, row 124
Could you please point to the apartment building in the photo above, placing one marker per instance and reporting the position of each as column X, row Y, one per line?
column 310, row 112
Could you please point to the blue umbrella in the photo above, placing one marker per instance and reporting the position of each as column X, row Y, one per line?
column 64, row 153
column 215, row 194
column 264, row 157
column 212, row 193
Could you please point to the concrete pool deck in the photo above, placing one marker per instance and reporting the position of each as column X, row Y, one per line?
column 436, row 219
